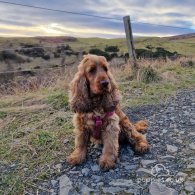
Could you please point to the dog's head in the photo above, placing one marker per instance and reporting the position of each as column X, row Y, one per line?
column 93, row 81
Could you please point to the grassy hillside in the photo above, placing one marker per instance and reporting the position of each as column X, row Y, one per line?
column 183, row 45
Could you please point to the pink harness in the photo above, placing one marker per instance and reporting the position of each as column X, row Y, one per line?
column 98, row 124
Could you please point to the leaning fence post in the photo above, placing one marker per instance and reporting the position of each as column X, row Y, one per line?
column 129, row 37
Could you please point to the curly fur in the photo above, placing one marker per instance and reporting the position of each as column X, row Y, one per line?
column 88, row 99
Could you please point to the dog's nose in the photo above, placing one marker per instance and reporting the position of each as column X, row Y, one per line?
column 104, row 83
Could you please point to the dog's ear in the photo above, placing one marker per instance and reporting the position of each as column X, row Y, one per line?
column 79, row 94
column 111, row 99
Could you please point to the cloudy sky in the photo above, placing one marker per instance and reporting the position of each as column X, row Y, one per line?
column 23, row 21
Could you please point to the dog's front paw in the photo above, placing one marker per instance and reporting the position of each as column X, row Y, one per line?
column 76, row 158
column 142, row 147
column 107, row 162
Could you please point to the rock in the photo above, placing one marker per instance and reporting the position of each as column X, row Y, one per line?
column 190, row 186
column 147, row 162
column 191, row 166
column 171, row 148
column 142, row 172
column 121, row 182
column 112, row 190
column 95, row 168
column 65, row 186
column 100, row 184
column 182, row 175
column 161, row 189
column 54, row 182
column 85, row 171
column 58, row 166
column 65, row 141
column 74, row 172
column 192, row 121
column 130, row 167
column 167, row 157
column 164, row 131
column 96, row 178
column 13, row 166
column 85, row 190
column 192, row 146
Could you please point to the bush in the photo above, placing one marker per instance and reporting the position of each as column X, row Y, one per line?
column 7, row 55
column 111, row 49
column 99, row 52
column 46, row 57
column 147, row 75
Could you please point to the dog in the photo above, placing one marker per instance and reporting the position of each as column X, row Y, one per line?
column 94, row 98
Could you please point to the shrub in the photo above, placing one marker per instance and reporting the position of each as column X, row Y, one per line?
column 147, row 75
column 7, row 55
column 46, row 57
column 111, row 49
column 100, row 53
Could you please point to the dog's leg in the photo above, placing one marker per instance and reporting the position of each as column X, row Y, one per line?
column 81, row 142
column 141, row 144
column 110, row 146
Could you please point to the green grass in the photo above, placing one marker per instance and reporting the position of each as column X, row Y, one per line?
column 157, row 92
column 58, row 100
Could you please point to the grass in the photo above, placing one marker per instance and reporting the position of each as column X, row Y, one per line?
column 34, row 124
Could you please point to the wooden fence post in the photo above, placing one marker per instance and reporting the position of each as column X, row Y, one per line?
column 129, row 37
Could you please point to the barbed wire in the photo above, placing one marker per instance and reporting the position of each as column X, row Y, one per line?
column 57, row 10
column 95, row 16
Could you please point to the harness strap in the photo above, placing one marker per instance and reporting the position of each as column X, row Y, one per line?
column 98, row 124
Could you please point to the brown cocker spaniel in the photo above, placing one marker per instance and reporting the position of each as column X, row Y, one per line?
column 94, row 98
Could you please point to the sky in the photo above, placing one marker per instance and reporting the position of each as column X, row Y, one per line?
column 20, row 21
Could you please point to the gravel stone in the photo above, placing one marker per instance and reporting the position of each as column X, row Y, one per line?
column 145, row 163
column 121, row 182
column 190, row 186
column 192, row 146
column 112, row 190
column 95, row 168
column 85, row 171
column 65, row 187
column 171, row 148
column 142, row 172
column 160, row 189
column 54, row 183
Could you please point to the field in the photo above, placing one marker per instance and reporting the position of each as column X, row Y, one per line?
column 40, row 52
column 35, row 121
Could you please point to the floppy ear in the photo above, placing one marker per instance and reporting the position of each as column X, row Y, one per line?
column 79, row 94
column 112, row 98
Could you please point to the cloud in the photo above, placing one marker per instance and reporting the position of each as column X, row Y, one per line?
column 33, row 22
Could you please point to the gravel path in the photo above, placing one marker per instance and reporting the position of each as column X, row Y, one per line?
column 167, row 169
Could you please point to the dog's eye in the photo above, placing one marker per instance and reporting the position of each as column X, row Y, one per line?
column 92, row 70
